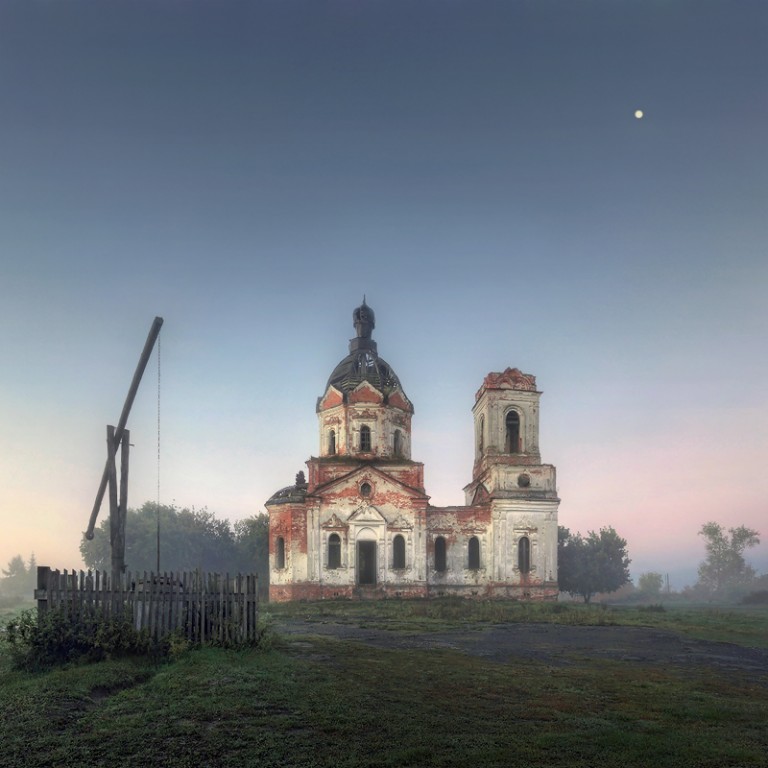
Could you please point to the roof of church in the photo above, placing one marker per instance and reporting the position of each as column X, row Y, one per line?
column 291, row 493
column 363, row 362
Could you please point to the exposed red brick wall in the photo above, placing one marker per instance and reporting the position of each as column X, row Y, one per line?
column 398, row 401
column 290, row 522
column 315, row 592
column 366, row 394
column 331, row 400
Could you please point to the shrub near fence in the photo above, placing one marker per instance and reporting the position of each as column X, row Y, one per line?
column 204, row 607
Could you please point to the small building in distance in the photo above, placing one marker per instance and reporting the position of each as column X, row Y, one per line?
column 360, row 525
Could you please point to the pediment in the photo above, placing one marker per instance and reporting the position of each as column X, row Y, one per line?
column 401, row 524
column 398, row 400
column 334, row 522
column 365, row 392
column 369, row 473
column 367, row 514
column 330, row 399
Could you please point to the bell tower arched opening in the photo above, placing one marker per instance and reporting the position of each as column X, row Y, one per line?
column 512, row 432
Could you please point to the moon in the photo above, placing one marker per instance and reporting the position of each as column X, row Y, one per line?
column 639, row 114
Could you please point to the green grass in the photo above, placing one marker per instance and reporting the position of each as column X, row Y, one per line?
column 743, row 625
column 315, row 701
column 10, row 607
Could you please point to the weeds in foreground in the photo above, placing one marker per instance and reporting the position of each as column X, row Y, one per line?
column 62, row 637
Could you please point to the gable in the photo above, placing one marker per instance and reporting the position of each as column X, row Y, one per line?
column 331, row 399
column 371, row 474
column 334, row 522
column 398, row 400
column 400, row 524
column 365, row 392
column 368, row 514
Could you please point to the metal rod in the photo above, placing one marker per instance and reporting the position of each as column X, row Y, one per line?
column 143, row 360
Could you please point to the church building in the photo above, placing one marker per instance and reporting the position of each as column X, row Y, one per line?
column 359, row 524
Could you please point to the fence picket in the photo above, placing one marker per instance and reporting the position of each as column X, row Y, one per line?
column 204, row 607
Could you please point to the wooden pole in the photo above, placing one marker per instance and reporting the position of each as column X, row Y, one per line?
column 41, row 593
column 122, row 507
column 114, row 514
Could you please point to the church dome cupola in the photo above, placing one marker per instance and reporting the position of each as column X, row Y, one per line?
column 363, row 362
column 364, row 411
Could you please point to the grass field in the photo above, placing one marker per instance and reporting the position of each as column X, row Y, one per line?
column 314, row 701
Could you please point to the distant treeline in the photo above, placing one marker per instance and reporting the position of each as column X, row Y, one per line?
column 190, row 539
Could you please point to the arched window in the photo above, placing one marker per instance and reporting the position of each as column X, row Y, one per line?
column 398, row 443
column 524, row 554
column 365, row 489
column 512, row 441
column 332, row 442
column 280, row 552
column 481, row 434
column 398, row 552
column 440, row 560
column 365, row 439
column 474, row 553
column 334, row 551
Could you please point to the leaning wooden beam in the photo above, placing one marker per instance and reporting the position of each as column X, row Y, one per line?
column 154, row 331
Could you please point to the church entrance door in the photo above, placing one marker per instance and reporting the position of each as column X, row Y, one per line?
column 366, row 563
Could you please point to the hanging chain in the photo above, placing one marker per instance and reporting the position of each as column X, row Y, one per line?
column 158, row 455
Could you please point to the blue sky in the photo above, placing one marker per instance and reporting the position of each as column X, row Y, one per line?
column 249, row 170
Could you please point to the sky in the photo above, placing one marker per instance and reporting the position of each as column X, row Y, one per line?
column 249, row 170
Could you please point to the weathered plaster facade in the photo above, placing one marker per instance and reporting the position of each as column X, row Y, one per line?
column 360, row 524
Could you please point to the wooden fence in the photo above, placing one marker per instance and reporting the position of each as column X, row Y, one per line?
column 203, row 607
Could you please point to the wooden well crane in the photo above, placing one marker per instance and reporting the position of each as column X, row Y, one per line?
column 118, row 438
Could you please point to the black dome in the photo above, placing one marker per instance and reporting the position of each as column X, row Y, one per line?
column 364, row 365
column 363, row 362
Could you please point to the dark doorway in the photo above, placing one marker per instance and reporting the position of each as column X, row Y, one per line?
column 366, row 562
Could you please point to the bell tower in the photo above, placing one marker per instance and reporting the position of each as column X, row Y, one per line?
column 508, row 476
column 507, row 456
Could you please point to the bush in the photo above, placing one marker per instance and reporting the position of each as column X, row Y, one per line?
column 59, row 637
column 756, row 598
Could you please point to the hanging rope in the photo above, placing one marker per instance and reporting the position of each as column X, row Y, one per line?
column 158, row 455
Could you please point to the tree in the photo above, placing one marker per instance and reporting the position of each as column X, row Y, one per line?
column 18, row 580
column 591, row 564
column 189, row 539
column 724, row 569
column 252, row 538
column 650, row 583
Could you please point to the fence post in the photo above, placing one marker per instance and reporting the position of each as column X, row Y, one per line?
column 41, row 593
